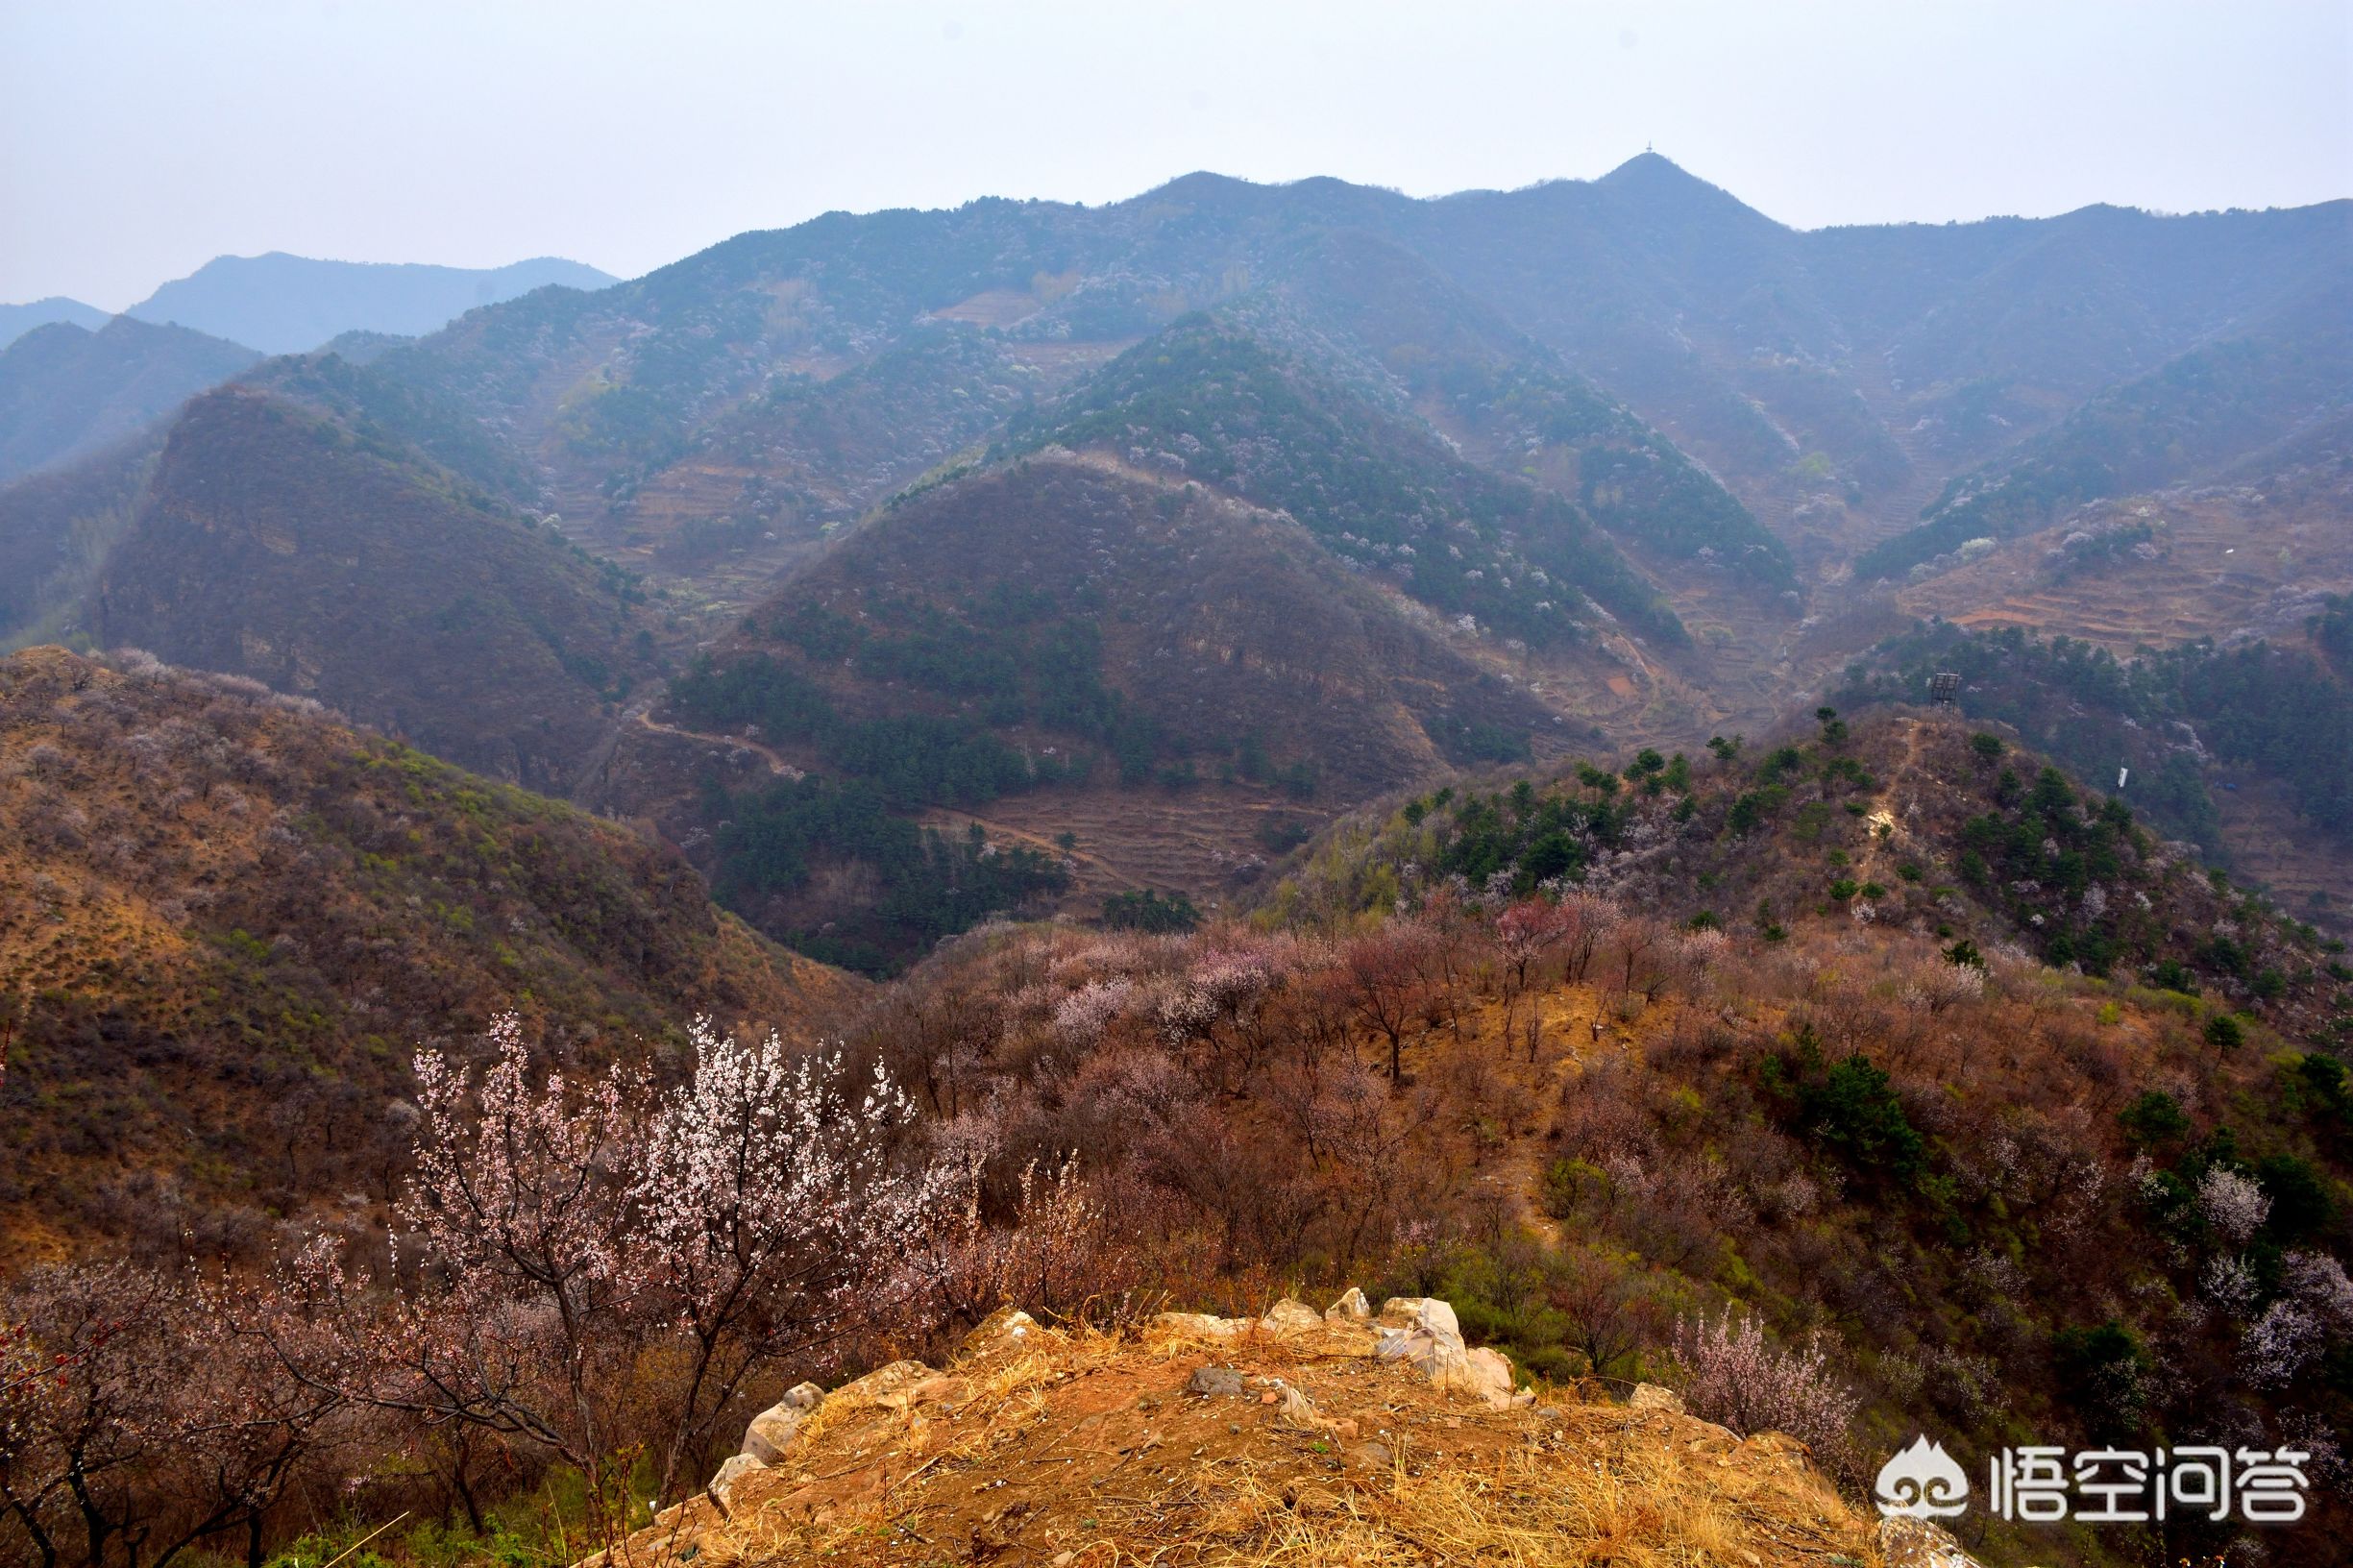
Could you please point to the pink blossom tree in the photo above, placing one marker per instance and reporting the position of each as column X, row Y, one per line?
column 1383, row 978
column 1524, row 935
column 136, row 1426
column 562, row 1237
column 1739, row 1380
column 770, row 1216
column 520, row 1311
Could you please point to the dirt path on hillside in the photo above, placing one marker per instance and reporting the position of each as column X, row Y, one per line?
column 776, row 764
column 953, row 820
column 1883, row 817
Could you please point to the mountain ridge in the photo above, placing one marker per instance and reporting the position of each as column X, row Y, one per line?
column 285, row 303
column 16, row 320
column 221, row 906
column 66, row 391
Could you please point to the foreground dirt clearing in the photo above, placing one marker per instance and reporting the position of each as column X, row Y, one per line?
column 1085, row 1451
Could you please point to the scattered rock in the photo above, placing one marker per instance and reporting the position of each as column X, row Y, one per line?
column 1906, row 1542
column 1298, row 1409
column 884, row 1386
column 1649, row 1396
column 1006, row 1323
column 772, row 1430
column 733, row 1469
column 1350, row 1308
column 1200, row 1324
column 1214, row 1382
column 1290, row 1316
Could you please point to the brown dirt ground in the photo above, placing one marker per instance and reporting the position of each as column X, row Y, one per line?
column 1079, row 1450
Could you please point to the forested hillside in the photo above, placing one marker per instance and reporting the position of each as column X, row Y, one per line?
column 316, row 557
column 226, row 920
column 2186, row 722
column 67, row 390
column 1065, row 629
column 2198, row 415
column 1210, row 401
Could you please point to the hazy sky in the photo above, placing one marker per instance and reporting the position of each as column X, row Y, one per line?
column 139, row 139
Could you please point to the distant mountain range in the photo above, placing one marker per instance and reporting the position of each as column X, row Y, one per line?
column 65, row 390
column 1502, row 624
column 282, row 304
column 1308, row 490
column 73, row 378
column 16, row 320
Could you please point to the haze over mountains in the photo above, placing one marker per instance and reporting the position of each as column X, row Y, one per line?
column 1353, row 736
column 73, row 378
column 16, row 320
column 1633, row 453
column 65, row 390
column 282, row 303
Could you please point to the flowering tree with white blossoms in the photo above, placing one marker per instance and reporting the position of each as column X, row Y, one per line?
column 770, row 1216
column 521, row 1305
column 563, row 1237
column 2232, row 1203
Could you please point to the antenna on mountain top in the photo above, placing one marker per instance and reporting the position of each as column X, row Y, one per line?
column 1944, row 688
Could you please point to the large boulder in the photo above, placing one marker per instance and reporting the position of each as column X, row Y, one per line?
column 1485, row 1374
column 772, row 1430
column 733, row 1469
column 1201, row 1325
column 1423, row 1332
column 1418, row 1312
column 1290, row 1316
column 1350, row 1310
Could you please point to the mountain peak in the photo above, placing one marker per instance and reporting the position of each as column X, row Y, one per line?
column 16, row 320
column 1656, row 180
column 1648, row 164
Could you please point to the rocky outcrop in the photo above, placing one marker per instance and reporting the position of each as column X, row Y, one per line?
column 1202, row 1438
column 1906, row 1542
column 772, row 1430
column 1421, row 1332
column 899, row 1386
column 1425, row 1333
